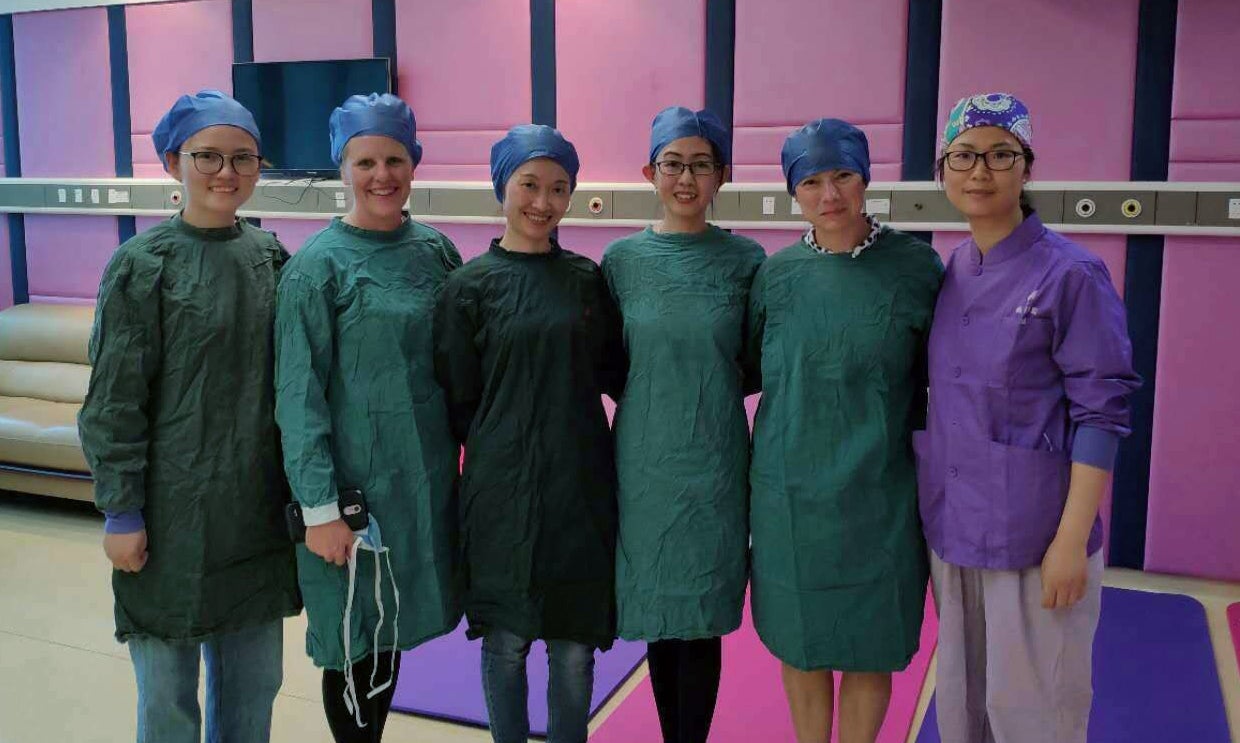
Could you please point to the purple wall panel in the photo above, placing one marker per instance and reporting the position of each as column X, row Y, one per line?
column 64, row 93
column 1073, row 63
column 773, row 240
column 787, row 74
column 293, row 233
column 617, row 65
column 294, row 30
column 1206, row 58
column 471, row 240
column 160, row 37
column 70, row 256
column 462, row 112
column 1194, row 477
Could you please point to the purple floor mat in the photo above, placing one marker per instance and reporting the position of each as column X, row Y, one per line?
column 443, row 679
column 1155, row 678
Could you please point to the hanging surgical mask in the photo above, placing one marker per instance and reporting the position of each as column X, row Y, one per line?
column 369, row 539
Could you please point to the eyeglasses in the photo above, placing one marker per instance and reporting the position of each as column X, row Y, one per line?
column 210, row 163
column 964, row 160
column 697, row 167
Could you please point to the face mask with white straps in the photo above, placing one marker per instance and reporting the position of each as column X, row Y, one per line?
column 370, row 540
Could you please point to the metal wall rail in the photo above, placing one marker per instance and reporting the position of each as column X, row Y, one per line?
column 1079, row 206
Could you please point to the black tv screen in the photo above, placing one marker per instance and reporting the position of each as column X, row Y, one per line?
column 292, row 101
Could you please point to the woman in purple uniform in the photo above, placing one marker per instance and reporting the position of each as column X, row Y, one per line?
column 1030, row 372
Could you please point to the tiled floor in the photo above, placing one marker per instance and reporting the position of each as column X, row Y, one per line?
column 63, row 678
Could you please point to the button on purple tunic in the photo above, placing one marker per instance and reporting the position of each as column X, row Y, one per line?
column 1030, row 370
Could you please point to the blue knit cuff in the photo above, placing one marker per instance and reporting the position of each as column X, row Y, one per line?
column 1095, row 447
column 123, row 522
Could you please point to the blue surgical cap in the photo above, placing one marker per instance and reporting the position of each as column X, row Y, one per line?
column 526, row 142
column 825, row 144
column 379, row 115
column 678, row 122
column 193, row 113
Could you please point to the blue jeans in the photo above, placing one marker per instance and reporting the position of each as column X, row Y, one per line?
column 571, row 684
column 244, row 672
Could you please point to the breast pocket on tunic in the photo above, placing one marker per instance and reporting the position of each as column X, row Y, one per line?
column 1024, row 356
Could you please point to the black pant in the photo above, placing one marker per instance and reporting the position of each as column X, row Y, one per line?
column 685, row 677
column 374, row 711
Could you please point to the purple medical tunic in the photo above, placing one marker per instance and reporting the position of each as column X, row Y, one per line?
column 1030, row 370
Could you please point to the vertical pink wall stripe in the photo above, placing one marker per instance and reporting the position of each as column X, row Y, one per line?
column 1194, row 479
column 290, row 30
column 63, row 93
column 1073, row 63
column 617, row 65
column 464, row 99
column 174, row 48
column 65, row 256
column 293, row 233
column 848, row 63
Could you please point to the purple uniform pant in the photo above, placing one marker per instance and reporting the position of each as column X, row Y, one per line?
column 1010, row 671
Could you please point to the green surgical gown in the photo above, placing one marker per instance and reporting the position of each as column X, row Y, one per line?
column 525, row 345
column 682, row 437
column 178, row 424
column 839, row 563
column 358, row 406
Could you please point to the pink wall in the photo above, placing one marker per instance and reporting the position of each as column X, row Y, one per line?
column 617, row 65
column 294, row 30
column 63, row 93
column 166, row 61
column 1193, row 507
column 65, row 256
column 293, row 233
column 1073, row 63
column 471, row 240
column 446, row 47
column 848, row 63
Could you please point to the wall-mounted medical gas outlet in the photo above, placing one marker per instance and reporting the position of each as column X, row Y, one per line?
column 1109, row 207
column 589, row 203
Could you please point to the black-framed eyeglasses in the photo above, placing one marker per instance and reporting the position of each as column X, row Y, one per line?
column 210, row 163
column 697, row 167
column 964, row 160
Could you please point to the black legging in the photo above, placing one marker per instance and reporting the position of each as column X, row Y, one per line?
column 685, row 677
column 374, row 711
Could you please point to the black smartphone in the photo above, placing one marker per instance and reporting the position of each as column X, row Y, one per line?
column 352, row 510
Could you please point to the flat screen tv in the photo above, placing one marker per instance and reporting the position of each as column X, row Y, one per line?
column 291, row 101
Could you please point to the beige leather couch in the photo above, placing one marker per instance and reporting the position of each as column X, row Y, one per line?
column 43, row 376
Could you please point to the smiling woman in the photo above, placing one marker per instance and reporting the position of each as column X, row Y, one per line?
column 359, row 411
column 526, row 342
column 184, row 316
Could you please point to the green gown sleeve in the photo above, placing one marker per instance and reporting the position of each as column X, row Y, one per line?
column 304, row 351
column 931, row 280
column 458, row 365
column 755, row 327
column 124, row 356
column 614, row 369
